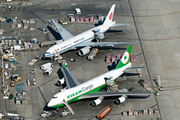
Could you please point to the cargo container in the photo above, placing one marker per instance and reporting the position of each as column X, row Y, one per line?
column 77, row 20
column 23, row 101
column 86, row 20
column 135, row 112
column 108, row 58
column 119, row 56
column 82, row 19
column 32, row 21
column 130, row 112
column 14, row 41
column 113, row 59
column 124, row 113
column 132, row 58
column 105, row 111
column 91, row 19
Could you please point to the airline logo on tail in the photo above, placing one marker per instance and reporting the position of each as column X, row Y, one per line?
column 125, row 58
column 110, row 16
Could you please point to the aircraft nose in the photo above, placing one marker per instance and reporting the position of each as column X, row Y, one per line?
column 50, row 104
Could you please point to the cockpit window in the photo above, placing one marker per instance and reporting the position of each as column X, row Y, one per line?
column 47, row 52
column 55, row 97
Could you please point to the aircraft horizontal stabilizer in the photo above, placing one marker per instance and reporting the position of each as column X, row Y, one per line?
column 137, row 67
column 116, row 25
column 111, row 94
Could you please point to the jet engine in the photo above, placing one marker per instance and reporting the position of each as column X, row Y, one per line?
column 123, row 97
column 97, row 101
column 61, row 81
column 84, row 51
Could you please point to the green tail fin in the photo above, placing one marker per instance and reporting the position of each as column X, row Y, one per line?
column 125, row 58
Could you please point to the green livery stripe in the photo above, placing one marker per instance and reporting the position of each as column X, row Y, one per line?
column 125, row 58
column 77, row 98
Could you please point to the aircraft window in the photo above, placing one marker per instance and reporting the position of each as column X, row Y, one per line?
column 55, row 97
column 47, row 52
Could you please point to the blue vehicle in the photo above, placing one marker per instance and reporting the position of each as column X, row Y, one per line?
column 9, row 20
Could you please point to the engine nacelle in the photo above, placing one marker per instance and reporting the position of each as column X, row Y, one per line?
column 97, row 101
column 84, row 51
column 61, row 81
column 121, row 99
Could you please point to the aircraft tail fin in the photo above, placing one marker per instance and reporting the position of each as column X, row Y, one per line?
column 110, row 15
column 125, row 58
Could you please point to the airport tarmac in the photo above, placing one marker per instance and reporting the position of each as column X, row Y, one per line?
column 153, row 24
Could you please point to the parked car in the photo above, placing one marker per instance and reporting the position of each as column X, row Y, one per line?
column 33, row 71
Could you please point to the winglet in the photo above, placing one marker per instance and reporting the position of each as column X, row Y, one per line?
column 109, row 17
column 125, row 58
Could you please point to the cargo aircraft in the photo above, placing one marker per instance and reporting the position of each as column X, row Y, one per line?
column 90, row 89
column 83, row 40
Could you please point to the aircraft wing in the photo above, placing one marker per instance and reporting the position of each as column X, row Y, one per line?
column 111, row 94
column 137, row 67
column 103, row 44
column 63, row 32
column 69, row 78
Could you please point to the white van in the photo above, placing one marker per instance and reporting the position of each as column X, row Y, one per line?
column 6, row 66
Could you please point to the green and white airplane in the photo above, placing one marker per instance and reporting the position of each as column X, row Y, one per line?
column 90, row 89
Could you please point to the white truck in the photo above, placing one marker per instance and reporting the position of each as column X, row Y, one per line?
column 78, row 11
column 46, row 66
column 18, row 47
column 92, row 54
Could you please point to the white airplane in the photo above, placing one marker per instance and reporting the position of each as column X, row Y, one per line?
column 84, row 39
column 90, row 89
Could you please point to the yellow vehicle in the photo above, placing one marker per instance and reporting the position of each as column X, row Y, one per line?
column 18, row 78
